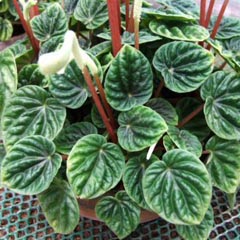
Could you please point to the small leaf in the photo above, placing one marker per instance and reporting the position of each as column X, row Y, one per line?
column 6, row 29
column 183, row 178
column 165, row 109
column 185, row 140
column 69, row 6
column 31, row 165
column 4, row 5
column 140, row 128
column 68, row 137
column 52, row 22
column 2, row 155
column 60, row 206
column 120, row 213
column 129, row 81
column 94, row 166
column 179, row 31
column 132, row 177
column 168, row 143
column 200, row 231
column 232, row 199
column 101, row 48
column 92, row 13
column 184, row 66
column 222, row 104
column 31, row 111
column 223, row 163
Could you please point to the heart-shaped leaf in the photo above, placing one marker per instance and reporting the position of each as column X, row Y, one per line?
column 165, row 109
column 184, row 65
column 8, row 77
column 184, row 179
column 120, row 213
column 52, row 22
column 197, row 126
column 129, row 81
column 132, row 177
column 182, row 31
column 185, row 140
column 6, row 29
column 60, row 206
column 200, row 231
column 2, row 155
column 223, row 163
column 92, row 13
column 222, row 106
column 94, row 166
column 31, row 165
column 31, row 111
column 139, row 128
column 68, row 137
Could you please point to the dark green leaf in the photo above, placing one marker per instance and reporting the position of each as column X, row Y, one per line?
column 51, row 45
column 6, row 29
column 4, row 5
column 96, row 118
column 223, row 163
column 2, row 155
column 68, row 137
column 69, row 6
column 139, row 128
column 168, row 143
column 182, row 178
column 120, row 213
column 101, row 48
column 94, row 166
column 60, row 206
column 184, row 66
column 129, row 81
column 31, row 111
column 31, row 165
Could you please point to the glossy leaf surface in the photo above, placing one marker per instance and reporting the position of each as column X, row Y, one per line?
column 92, row 13
column 60, row 206
column 222, row 104
column 6, row 29
column 183, row 178
column 31, row 165
column 68, row 137
column 184, row 66
column 223, row 163
column 31, row 111
column 129, row 81
column 52, row 22
column 94, row 166
column 140, row 128
column 120, row 213
column 200, row 231
column 132, row 177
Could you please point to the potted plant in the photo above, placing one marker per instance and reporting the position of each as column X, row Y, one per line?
column 125, row 106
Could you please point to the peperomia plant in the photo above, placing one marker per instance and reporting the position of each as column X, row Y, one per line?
column 132, row 103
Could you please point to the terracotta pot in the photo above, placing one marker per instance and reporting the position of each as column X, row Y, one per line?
column 87, row 210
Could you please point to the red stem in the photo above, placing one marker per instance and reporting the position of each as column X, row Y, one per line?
column 191, row 116
column 136, row 34
column 203, row 12
column 159, row 89
column 34, row 11
column 115, row 24
column 127, row 5
column 99, row 106
column 205, row 152
column 131, row 22
column 223, row 65
column 27, row 28
column 209, row 13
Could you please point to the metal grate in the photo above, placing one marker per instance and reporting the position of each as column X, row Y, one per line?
column 21, row 218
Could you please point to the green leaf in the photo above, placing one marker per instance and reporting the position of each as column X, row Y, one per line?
column 168, row 143
column 69, row 6
column 223, row 163
column 200, row 231
column 179, row 31
column 31, row 165
column 232, row 199
column 52, row 22
column 94, row 166
column 132, row 177
column 4, row 5
column 229, row 27
column 92, row 13
column 185, row 140
column 184, row 65
column 120, row 213
column 96, row 118
column 51, row 45
column 140, row 128
column 6, row 29
column 2, row 155
column 68, row 137
column 183, row 178
column 8, row 77
column 60, row 206
column 197, row 126
column 165, row 109
column 129, row 81
column 69, row 88
column 31, row 111
column 221, row 93
column 101, row 48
